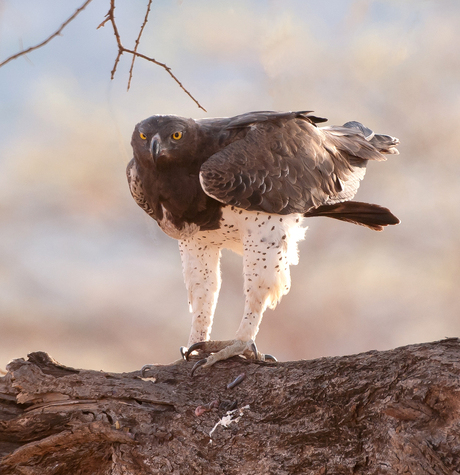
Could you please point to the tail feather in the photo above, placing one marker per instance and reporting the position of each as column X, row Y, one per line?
column 365, row 214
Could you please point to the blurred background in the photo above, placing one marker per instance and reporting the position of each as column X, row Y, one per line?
column 88, row 277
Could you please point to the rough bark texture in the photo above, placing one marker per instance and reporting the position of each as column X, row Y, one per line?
column 392, row 412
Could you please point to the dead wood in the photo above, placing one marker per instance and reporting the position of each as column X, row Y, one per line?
column 389, row 412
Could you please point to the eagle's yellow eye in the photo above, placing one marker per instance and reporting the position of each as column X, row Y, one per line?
column 177, row 135
column 142, row 136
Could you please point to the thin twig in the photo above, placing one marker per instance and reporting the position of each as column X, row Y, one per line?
column 121, row 49
column 111, row 16
column 168, row 70
column 43, row 43
column 138, row 41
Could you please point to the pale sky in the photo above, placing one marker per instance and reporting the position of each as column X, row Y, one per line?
column 89, row 278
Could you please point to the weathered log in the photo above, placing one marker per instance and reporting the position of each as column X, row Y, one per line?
column 390, row 412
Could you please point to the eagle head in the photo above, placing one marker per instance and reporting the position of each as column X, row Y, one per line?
column 164, row 140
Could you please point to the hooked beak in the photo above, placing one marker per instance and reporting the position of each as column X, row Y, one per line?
column 155, row 147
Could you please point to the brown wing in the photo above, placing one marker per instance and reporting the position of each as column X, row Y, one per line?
column 289, row 165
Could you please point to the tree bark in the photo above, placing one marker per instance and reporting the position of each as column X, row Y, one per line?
column 391, row 412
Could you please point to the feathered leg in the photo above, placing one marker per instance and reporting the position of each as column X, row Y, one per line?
column 266, row 280
column 201, row 269
column 266, row 257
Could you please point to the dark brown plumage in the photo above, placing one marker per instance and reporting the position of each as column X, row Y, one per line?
column 215, row 183
column 261, row 161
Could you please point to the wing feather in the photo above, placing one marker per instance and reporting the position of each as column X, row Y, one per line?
column 285, row 164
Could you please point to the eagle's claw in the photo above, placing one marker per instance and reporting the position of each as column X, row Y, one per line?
column 200, row 345
column 198, row 364
column 222, row 350
column 145, row 369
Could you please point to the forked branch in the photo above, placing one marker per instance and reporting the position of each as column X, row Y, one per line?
column 121, row 49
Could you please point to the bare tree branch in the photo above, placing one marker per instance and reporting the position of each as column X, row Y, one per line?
column 43, row 43
column 168, row 70
column 381, row 412
column 111, row 16
column 121, row 49
column 138, row 41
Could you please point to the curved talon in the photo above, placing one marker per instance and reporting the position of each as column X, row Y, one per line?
column 183, row 352
column 195, row 346
column 254, row 350
column 198, row 364
column 145, row 368
column 270, row 358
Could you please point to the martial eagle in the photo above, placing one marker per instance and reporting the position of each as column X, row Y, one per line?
column 246, row 183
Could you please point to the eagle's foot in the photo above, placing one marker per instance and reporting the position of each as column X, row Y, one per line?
column 210, row 346
column 222, row 350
